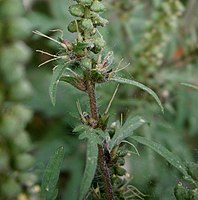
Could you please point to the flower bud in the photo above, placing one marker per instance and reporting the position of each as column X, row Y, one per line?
column 10, row 188
column 97, row 20
column 24, row 161
column 87, row 25
column 85, row 2
column 22, row 142
column 120, row 171
column 20, row 91
column 97, row 6
column 121, row 161
column 19, row 28
column 86, row 63
column 99, row 43
column 77, row 10
column 72, row 27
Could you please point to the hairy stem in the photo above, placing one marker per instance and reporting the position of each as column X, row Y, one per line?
column 92, row 99
column 101, row 156
column 105, row 173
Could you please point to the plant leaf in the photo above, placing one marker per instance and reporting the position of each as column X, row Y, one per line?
column 165, row 153
column 190, row 85
column 91, row 164
column 57, row 73
column 78, row 83
column 126, row 130
column 51, row 175
column 141, row 86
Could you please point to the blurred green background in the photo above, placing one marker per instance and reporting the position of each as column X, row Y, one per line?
column 159, row 40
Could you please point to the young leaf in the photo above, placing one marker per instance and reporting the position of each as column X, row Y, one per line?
column 190, row 85
column 126, row 130
column 51, row 175
column 79, row 84
column 141, row 86
column 165, row 153
column 57, row 73
column 91, row 164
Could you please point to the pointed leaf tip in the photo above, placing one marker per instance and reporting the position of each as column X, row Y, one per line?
column 57, row 73
column 141, row 86
column 173, row 159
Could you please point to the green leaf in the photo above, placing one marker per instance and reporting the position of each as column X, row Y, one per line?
column 91, row 164
column 78, row 83
column 57, row 73
column 126, row 130
column 165, row 153
column 80, row 128
column 190, row 85
column 141, row 86
column 80, row 46
column 51, row 175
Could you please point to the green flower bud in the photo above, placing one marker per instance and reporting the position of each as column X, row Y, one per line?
column 86, row 63
column 20, row 91
column 122, row 153
column 19, row 28
column 9, row 126
column 99, row 43
column 10, row 189
column 97, row 6
column 24, row 161
column 22, row 113
column 181, row 193
column 118, row 182
column 11, row 8
column 87, row 24
column 97, row 20
column 85, row 2
column 17, row 53
column 120, row 171
column 13, row 75
column 72, row 27
column 21, row 142
column 121, row 161
column 77, row 10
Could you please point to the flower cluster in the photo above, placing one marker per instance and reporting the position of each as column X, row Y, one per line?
column 164, row 20
column 15, row 160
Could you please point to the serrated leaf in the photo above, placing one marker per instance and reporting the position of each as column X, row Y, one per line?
column 57, row 73
column 141, row 86
column 51, row 175
column 91, row 164
column 126, row 130
column 190, row 85
column 173, row 159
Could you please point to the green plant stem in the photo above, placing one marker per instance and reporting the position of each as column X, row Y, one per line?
column 101, row 156
column 92, row 99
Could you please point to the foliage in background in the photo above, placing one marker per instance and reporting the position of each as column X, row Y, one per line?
column 177, row 130
column 17, row 181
